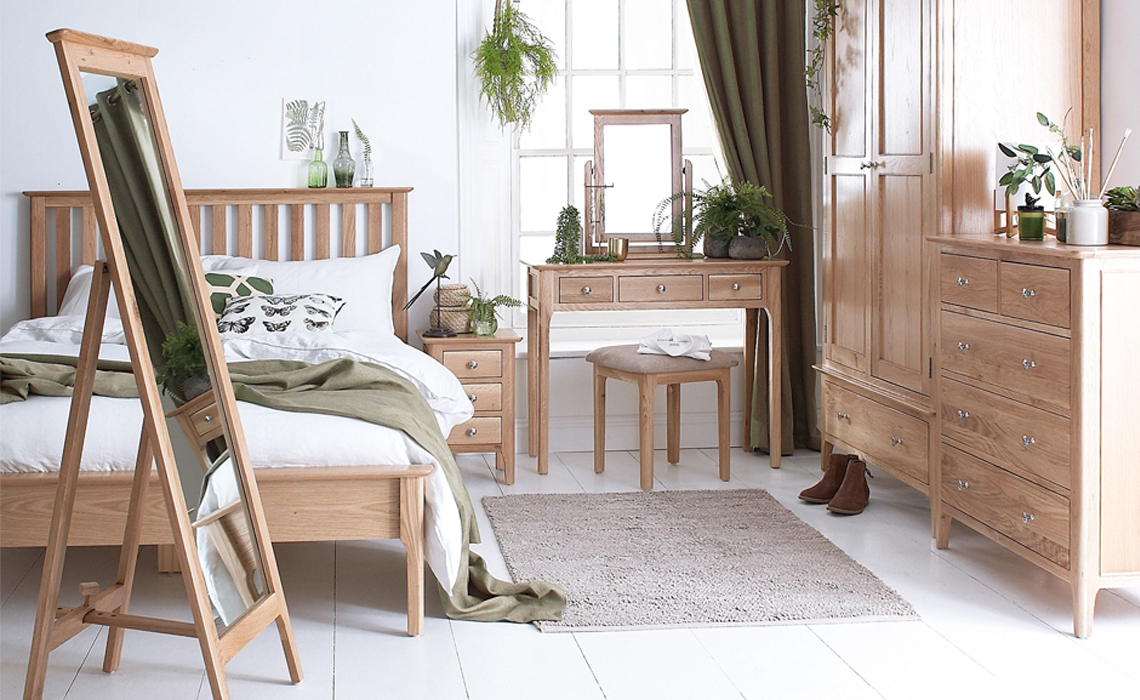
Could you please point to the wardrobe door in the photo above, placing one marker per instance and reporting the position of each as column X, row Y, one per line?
column 902, row 203
column 847, row 290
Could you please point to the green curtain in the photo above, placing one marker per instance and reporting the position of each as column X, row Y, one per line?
column 752, row 56
column 142, row 209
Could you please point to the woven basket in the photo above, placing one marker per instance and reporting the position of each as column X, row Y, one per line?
column 453, row 295
column 456, row 319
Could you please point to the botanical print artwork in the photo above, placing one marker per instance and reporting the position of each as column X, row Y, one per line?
column 302, row 122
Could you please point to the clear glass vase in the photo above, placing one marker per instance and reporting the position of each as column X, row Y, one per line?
column 484, row 327
column 344, row 167
column 365, row 179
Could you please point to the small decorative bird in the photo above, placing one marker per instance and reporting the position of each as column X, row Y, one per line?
column 438, row 263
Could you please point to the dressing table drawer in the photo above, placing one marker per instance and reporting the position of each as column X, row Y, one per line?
column 661, row 288
column 480, row 430
column 474, row 364
column 485, row 397
column 586, row 290
column 971, row 282
column 723, row 287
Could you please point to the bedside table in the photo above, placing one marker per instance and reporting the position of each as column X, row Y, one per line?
column 486, row 367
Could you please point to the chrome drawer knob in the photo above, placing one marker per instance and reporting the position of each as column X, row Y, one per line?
column 736, row 286
column 963, row 346
column 1028, row 518
column 208, row 418
column 472, row 364
column 841, row 415
column 1026, row 293
column 472, row 431
column 1027, row 441
column 963, row 281
column 896, row 441
column 660, row 289
column 1028, row 364
column 963, row 415
column 586, row 289
column 472, row 397
column 963, row 485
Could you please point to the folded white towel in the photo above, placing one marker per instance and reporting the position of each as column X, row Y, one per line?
column 669, row 342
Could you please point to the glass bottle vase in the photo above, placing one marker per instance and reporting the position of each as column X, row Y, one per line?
column 318, row 170
column 344, row 167
column 365, row 179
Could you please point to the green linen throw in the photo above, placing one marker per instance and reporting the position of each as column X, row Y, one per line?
column 52, row 375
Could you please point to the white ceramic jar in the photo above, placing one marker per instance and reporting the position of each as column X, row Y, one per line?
column 1087, row 223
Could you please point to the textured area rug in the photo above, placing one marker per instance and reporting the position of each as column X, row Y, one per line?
column 684, row 559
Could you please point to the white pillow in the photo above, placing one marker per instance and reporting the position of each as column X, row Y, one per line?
column 364, row 283
column 78, row 294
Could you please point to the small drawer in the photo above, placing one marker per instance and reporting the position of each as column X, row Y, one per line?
column 485, row 397
column 585, row 290
column 661, row 288
column 480, row 430
column 206, row 422
column 747, row 287
column 888, row 438
column 1035, row 293
column 971, row 282
column 1025, row 440
column 1034, row 366
column 474, row 364
column 1021, row 510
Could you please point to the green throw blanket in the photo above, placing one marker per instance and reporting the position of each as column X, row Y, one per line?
column 340, row 388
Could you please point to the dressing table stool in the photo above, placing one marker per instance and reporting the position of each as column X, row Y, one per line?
column 624, row 363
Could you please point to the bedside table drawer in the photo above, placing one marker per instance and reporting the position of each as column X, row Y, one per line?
column 661, row 288
column 206, row 422
column 480, row 430
column 971, row 282
column 1035, row 293
column 474, row 364
column 723, row 287
column 485, row 397
column 585, row 290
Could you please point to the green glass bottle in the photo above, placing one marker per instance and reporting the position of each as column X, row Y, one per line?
column 318, row 169
column 344, row 167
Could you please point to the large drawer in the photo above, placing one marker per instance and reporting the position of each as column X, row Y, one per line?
column 661, row 288
column 1026, row 440
column 1035, row 293
column 885, row 437
column 480, row 430
column 971, row 282
column 474, row 364
column 1019, row 509
column 1028, row 363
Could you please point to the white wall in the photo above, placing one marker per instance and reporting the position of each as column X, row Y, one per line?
column 1120, row 97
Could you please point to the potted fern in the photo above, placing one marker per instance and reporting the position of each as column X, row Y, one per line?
column 515, row 65
column 484, row 311
column 734, row 220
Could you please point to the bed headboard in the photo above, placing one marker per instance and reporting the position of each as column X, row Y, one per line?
column 249, row 223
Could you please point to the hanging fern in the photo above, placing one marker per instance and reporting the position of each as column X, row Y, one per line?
column 515, row 65
column 822, row 27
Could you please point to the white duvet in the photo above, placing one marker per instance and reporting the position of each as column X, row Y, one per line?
column 33, row 431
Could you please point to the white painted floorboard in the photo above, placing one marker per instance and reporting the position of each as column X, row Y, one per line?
column 992, row 625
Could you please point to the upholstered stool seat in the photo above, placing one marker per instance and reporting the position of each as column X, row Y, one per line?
column 625, row 363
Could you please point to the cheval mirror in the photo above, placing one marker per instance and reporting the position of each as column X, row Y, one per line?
column 152, row 261
column 637, row 165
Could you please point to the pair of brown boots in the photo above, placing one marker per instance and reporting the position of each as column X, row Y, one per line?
column 843, row 487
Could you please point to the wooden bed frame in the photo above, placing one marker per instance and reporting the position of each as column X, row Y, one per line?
column 365, row 502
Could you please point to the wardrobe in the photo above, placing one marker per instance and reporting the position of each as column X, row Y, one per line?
column 919, row 93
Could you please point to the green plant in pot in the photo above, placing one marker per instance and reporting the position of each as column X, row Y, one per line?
column 1123, row 205
column 183, row 373
column 568, row 240
column 484, row 311
column 515, row 65
column 735, row 220
column 1031, row 219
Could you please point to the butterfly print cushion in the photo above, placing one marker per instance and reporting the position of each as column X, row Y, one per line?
column 279, row 313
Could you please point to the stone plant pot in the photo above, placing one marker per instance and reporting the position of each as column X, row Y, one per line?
column 1124, row 227
column 716, row 247
column 745, row 248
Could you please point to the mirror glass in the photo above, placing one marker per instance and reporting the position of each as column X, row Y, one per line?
column 226, row 545
column 638, row 173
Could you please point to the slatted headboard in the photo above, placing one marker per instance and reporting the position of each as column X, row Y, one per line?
column 245, row 223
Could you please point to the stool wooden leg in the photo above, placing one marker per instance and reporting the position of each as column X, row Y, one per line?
column 723, row 399
column 599, row 422
column 646, row 387
column 673, row 422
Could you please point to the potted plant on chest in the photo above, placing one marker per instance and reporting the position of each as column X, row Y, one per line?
column 484, row 311
column 1123, row 214
column 735, row 220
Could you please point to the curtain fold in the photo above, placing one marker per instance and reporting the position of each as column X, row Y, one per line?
column 752, row 55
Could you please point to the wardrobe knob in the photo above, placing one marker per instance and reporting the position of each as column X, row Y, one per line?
column 660, row 289
column 736, row 286
column 963, row 346
column 472, row 364
column 963, row 485
column 963, row 281
column 1028, row 518
column 472, row 397
column 1026, row 293
column 896, row 441
column 1027, row 441
column 1028, row 364
column 472, row 432
column 841, row 415
column 963, row 415
column 586, row 289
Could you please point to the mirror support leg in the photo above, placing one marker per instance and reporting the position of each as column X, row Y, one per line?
column 129, row 555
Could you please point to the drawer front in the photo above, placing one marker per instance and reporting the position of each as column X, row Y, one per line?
column 724, row 287
column 971, row 282
column 480, row 430
column 661, row 288
column 585, row 290
column 884, row 436
column 1029, row 363
column 206, row 422
column 485, row 397
column 1018, row 509
column 1035, row 293
column 1025, row 440
column 473, row 364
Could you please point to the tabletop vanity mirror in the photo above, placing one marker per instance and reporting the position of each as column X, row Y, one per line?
column 637, row 164
column 152, row 262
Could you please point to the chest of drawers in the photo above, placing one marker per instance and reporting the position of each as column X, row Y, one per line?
column 1038, row 397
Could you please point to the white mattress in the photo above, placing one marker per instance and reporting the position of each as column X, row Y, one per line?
column 33, row 431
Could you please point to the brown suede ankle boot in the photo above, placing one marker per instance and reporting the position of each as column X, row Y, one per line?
column 828, row 486
column 854, row 492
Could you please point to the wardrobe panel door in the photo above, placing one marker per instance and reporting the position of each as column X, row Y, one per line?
column 848, row 290
column 899, row 316
column 848, row 81
column 903, row 77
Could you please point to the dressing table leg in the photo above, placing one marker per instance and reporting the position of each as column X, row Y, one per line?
column 751, row 328
column 543, row 413
column 775, row 373
column 532, row 381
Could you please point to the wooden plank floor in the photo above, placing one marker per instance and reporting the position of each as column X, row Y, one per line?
column 992, row 625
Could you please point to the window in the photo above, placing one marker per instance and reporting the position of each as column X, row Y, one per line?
column 612, row 54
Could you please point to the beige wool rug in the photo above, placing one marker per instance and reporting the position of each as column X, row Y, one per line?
column 684, row 559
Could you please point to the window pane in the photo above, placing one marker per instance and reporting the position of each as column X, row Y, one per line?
column 591, row 92
column 696, row 124
column 542, row 191
column 550, row 16
column 595, row 34
column 686, row 45
column 648, row 92
column 578, row 184
column 648, row 34
column 548, row 129
column 705, row 171
column 535, row 250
